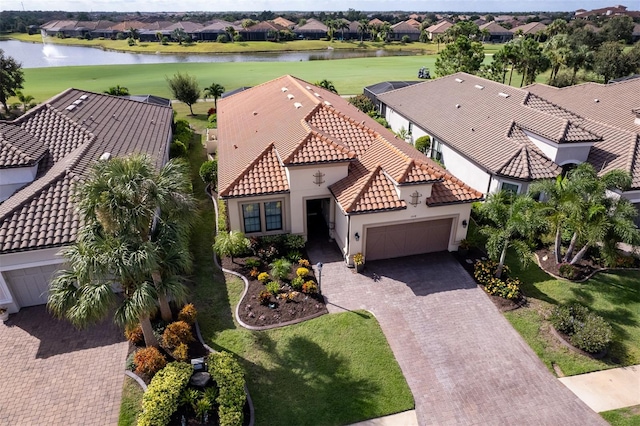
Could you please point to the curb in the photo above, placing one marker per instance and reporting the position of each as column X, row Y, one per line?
column 588, row 277
column 137, row 378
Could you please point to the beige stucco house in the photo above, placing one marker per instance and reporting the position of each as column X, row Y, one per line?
column 290, row 153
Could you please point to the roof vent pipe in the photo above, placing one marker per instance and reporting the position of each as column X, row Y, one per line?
column 457, row 105
column 105, row 157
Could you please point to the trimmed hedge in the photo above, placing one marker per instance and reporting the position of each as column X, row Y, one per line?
column 507, row 288
column 160, row 400
column 229, row 377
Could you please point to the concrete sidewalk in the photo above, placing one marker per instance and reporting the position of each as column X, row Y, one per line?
column 607, row 390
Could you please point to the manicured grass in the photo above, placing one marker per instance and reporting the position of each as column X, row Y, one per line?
column 333, row 370
column 629, row 416
column 199, row 120
column 349, row 76
column 615, row 296
column 131, row 404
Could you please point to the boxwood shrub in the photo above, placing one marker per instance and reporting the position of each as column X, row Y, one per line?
column 160, row 400
column 229, row 377
column 586, row 330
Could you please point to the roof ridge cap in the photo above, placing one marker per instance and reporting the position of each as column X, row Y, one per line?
column 304, row 89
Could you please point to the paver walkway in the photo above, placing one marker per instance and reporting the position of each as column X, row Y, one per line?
column 463, row 361
column 51, row 374
column 608, row 389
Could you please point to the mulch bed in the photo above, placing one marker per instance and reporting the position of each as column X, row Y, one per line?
column 278, row 311
column 468, row 260
column 583, row 268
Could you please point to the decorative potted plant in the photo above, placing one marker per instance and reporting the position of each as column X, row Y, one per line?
column 358, row 260
column 463, row 247
column 4, row 313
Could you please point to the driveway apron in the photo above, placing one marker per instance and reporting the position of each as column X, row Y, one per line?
column 52, row 374
column 463, row 361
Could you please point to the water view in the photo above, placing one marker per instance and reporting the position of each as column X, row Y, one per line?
column 36, row 55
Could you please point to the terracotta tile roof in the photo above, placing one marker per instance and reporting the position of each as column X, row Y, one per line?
column 41, row 215
column 440, row 27
column 265, row 175
column 528, row 163
column 284, row 22
column 494, row 28
column 313, row 25
column 530, row 28
column 451, row 191
column 316, row 148
column 405, row 27
column 291, row 120
column 18, row 148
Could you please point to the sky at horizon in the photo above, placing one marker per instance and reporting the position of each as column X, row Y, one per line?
column 307, row 5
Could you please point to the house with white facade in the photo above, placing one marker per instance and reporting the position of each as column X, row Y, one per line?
column 290, row 153
column 42, row 154
column 493, row 136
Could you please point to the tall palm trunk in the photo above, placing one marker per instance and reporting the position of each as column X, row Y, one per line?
column 147, row 331
column 511, row 73
column 580, row 254
column 503, row 255
column 165, row 309
column 572, row 246
column 558, row 244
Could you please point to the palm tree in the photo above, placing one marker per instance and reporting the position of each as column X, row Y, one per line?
column 514, row 221
column 557, row 49
column 117, row 90
column 326, row 84
column 385, row 32
column 342, row 25
column 331, row 28
column 25, row 100
column 119, row 203
column 134, row 33
column 159, row 36
column 363, row 28
column 231, row 31
column 179, row 34
column 214, row 91
column 580, row 57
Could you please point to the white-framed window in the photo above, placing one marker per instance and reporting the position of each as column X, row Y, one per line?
column 510, row 187
column 436, row 149
column 262, row 217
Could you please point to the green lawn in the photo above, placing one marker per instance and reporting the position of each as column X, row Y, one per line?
column 615, row 296
column 349, row 76
column 131, row 404
column 629, row 416
column 336, row 369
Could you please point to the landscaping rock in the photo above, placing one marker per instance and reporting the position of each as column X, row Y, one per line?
column 200, row 379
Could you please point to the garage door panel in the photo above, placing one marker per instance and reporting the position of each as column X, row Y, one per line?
column 30, row 286
column 407, row 239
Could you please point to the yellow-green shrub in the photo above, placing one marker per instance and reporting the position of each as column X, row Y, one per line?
column 229, row 376
column 160, row 400
column 302, row 272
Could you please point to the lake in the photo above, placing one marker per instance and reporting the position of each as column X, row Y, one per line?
column 36, row 55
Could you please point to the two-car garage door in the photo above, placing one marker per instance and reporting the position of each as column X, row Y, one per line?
column 30, row 286
column 406, row 239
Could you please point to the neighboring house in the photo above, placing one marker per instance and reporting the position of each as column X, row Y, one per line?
column 42, row 154
column 617, row 10
column 532, row 29
column 262, row 31
column 296, row 158
column 402, row 29
column 372, row 92
column 312, row 30
column 635, row 33
column 497, row 33
column 438, row 29
column 493, row 136
column 283, row 22
column 216, row 28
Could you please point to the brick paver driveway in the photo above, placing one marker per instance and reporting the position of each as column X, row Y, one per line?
column 52, row 374
column 463, row 361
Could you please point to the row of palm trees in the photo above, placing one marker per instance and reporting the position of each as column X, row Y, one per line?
column 134, row 238
column 579, row 208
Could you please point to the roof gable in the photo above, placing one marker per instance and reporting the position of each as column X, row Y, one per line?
column 19, row 148
column 265, row 175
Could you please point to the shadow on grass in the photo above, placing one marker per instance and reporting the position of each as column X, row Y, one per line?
column 308, row 385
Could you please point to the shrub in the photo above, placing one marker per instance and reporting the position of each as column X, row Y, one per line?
column 254, row 272
column 297, row 283
column 309, row 287
column 508, row 289
column 252, row 263
column 264, row 297
column 238, row 37
column 165, row 40
column 363, row 103
column 222, row 216
column 568, row 271
column 624, row 261
column 280, row 269
column 294, row 242
column 406, row 39
column 176, row 333
column 304, row 263
column 485, row 270
column 229, row 376
column 160, row 400
column 222, row 38
column 130, row 364
column 131, row 42
column 423, row 143
column 263, row 277
column 382, row 121
column 211, row 111
column 177, row 149
column 149, row 361
column 294, row 256
column 587, row 331
column 188, row 314
column 209, row 173
column 134, row 334
column 358, row 259
column 181, row 352
column 273, row 287
column 302, row 272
